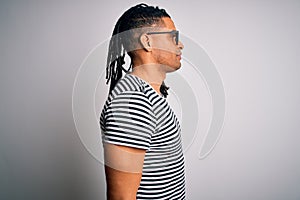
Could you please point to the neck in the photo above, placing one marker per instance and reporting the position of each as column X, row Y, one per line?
column 151, row 73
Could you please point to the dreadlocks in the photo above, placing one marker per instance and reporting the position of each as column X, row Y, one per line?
column 138, row 16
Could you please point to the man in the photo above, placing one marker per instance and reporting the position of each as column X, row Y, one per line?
column 140, row 132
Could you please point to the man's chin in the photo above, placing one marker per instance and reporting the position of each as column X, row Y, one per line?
column 173, row 68
column 178, row 66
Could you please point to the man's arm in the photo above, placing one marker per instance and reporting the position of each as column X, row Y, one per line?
column 123, row 169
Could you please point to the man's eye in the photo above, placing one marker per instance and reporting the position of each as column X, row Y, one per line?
column 174, row 38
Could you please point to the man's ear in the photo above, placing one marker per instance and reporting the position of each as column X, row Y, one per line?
column 146, row 42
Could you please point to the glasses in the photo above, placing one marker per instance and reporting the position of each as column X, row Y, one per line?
column 174, row 33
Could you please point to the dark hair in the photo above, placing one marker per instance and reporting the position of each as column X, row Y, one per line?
column 138, row 16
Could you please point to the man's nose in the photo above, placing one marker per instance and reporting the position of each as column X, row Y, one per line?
column 180, row 45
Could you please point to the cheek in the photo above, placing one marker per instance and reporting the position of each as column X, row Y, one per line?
column 165, row 45
column 164, row 55
column 164, row 52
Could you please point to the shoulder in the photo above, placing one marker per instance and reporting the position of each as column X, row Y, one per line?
column 129, row 84
column 131, row 103
column 133, row 87
column 131, row 91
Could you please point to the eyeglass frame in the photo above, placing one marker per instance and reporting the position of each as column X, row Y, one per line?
column 173, row 32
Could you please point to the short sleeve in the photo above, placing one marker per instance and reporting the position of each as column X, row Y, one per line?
column 129, row 121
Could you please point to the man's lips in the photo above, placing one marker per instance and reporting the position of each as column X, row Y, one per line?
column 178, row 56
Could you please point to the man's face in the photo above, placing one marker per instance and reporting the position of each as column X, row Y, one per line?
column 165, row 50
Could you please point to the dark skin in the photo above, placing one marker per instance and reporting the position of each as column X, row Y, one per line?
column 158, row 56
column 123, row 181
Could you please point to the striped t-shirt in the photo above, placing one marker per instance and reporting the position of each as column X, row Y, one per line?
column 135, row 115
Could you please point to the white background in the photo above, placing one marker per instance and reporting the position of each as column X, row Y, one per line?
column 254, row 45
